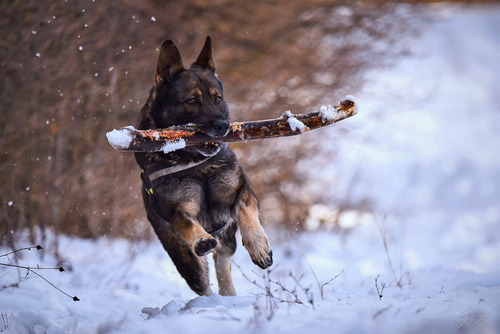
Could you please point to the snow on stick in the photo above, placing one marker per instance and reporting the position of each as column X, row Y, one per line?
column 130, row 139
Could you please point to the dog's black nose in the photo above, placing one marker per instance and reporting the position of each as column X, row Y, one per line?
column 220, row 128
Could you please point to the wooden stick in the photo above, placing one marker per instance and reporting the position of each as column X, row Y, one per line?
column 131, row 140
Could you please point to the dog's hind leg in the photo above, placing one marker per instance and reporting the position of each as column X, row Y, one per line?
column 222, row 258
column 252, row 234
column 193, row 268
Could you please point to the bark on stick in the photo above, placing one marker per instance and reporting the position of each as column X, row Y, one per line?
column 131, row 140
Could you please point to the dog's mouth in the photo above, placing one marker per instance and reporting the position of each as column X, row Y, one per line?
column 208, row 148
column 217, row 129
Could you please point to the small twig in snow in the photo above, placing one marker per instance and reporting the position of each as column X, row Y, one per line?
column 381, row 311
column 312, row 270
column 5, row 321
column 320, row 287
column 282, row 294
column 379, row 291
column 383, row 228
column 225, row 315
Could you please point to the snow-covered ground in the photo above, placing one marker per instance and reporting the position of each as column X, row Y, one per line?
column 431, row 167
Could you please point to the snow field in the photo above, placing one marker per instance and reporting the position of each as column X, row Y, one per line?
column 120, row 284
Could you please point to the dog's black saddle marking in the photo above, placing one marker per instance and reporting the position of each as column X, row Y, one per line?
column 154, row 176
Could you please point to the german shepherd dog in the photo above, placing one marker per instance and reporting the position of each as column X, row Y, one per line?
column 196, row 197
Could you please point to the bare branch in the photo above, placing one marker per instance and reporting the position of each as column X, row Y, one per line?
column 29, row 269
column 38, row 247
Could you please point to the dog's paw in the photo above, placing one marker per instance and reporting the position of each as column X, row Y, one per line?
column 264, row 261
column 257, row 245
column 205, row 245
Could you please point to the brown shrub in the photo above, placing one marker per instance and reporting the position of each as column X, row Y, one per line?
column 71, row 71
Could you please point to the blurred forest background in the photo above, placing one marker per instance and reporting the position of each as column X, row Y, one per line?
column 73, row 70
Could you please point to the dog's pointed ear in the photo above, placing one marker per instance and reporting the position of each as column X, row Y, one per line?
column 169, row 62
column 205, row 60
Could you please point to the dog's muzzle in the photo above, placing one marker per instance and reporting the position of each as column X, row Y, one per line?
column 219, row 128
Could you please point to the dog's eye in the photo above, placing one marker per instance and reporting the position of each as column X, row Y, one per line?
column 218, row 98
column 191, row 101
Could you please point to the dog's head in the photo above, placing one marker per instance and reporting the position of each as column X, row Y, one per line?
column 183, row 96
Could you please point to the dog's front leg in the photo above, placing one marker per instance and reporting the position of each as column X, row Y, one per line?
column 253, row 236
column 186, row 226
